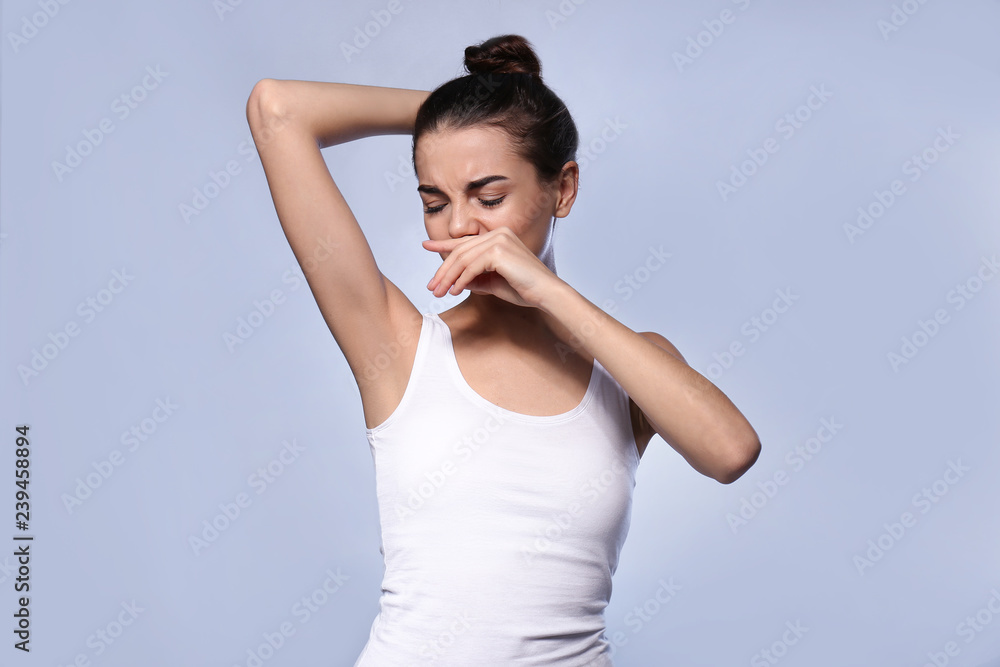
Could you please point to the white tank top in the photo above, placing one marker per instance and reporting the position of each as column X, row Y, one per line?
column 500, row 531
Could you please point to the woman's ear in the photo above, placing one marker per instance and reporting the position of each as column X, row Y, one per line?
column 568, row 185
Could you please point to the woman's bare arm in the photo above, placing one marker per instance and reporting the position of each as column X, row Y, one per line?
column 290, row 122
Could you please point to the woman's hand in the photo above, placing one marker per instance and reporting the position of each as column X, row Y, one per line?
column 496, row 263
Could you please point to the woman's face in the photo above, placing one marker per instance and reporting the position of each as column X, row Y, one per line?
column 471, row 182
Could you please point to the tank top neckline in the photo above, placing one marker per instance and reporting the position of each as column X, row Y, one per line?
column 466, row 388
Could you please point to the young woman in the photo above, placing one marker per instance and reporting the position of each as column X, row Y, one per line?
column 505, row 431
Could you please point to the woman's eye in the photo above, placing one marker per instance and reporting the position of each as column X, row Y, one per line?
column 492, row 202
column 489, row 203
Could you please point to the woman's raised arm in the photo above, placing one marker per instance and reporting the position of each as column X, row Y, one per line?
column 290, row 122
column 334, row 113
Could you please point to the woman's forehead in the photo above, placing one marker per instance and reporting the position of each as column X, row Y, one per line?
column 466, row 153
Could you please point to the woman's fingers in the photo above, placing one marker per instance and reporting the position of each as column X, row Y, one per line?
column 496, row 263
column 462, row 252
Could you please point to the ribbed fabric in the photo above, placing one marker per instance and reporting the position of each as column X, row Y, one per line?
column 500, row 531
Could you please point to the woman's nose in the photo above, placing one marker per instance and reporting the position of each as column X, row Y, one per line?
column 463, row 222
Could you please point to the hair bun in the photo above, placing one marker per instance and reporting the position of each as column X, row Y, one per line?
column 505, row 54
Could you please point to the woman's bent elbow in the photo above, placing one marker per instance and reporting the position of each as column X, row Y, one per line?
column 264, row 102
column 267, row 112
column 747, row 457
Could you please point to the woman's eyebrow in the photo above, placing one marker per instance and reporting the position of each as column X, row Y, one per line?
column 472, row 185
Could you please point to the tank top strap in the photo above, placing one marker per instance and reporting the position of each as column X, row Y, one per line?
column 614, row 400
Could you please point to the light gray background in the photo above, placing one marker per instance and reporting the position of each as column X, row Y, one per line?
column 653, row 183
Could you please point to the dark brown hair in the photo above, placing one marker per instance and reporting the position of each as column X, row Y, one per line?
column 504, row 89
